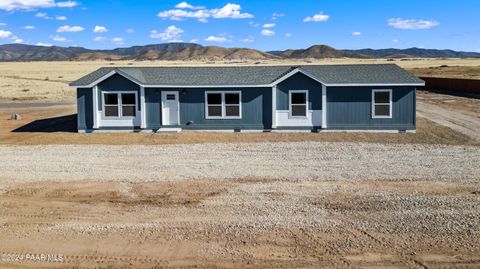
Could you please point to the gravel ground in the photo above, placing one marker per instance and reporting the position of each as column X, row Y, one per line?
column 286, row 161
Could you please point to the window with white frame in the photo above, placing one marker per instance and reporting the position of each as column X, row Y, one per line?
column 298, row 103
column 119, row 104
column 381, row 103
column 223, row 105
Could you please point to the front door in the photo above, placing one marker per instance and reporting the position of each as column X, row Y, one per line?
column 170, row 108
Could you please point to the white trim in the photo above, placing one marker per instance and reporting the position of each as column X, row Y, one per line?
column 274, row 107
column 177, row 98
column 293, row 72
column 223, row 105
column 168, row 130
column 373, row 103
column 143, row 112
column 290, row 116
column 119, row 105
column 314, row 118
column 96, row 119
column 289, row 74
column 324, row 106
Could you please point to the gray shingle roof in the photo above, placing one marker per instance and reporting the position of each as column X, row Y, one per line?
column 255, row 75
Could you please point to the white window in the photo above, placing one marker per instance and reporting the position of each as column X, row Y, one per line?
column 223, row 105
column 119, row 104
column 298, row 103
column 381, row 104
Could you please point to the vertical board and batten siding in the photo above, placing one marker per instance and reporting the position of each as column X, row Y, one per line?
column 153, row 106
column 351, row 108
column 256, row 109
column 84, row 109
column 117, row 83
column 300, row 82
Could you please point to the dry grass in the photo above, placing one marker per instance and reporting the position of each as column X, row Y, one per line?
column 48, row 81
column 446, row 71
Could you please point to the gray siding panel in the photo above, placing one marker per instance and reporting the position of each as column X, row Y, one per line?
column 300, row 82
column 117, row 83
column 84, row 109
column 153, row 102
column 192, row 110
column 350, row 108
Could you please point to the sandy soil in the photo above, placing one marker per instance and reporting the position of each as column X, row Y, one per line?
column 242, row 223
column 47, row 81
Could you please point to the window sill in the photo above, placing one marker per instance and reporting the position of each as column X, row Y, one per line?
column 381, row 117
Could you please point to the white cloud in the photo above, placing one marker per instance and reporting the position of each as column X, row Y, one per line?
column 170, row 34
column 266, row 32
column 42, row 15
column 395, row 41
column 118, row 41
column 45, row 16
column 67, row 4
column 412, row 24
column 18, row 41
column 178, row 14
column 248, row 39
column 2, row 24
column 269, row 25
column 130, row 31
column 68, row 28
column 320, row 17
column 230, row 11
column 195, row 40
column 29, row 27
column 187, row 5
column 6, row 34
column 58, row 38
column 277, row 15
column 288, row 35
column 43, row 44
column 99, row 39
column 218, row 39
column 100, row 29
column 356, row 33
column 11, row 5
column 254, row 24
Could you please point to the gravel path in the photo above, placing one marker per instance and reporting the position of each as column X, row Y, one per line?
column 289, row 161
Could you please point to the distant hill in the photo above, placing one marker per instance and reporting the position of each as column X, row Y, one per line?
column 415, row 52
column 191, row 51
column 318, row 52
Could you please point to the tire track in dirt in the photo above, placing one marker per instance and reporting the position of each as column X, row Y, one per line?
column 334, row 255
column 404, row 257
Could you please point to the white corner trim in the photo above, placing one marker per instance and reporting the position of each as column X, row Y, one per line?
column 324, row 106
column 390, row 103
column 143, row 113
column 96, row 118
column 274, row 106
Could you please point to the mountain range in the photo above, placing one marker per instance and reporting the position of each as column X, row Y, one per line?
column 192, row 51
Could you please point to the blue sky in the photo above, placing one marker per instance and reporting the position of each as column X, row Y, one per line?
column 261, row 24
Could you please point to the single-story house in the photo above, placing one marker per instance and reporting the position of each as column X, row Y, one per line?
column 367, row 97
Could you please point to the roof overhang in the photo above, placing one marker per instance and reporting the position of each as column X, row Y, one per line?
column 276, row 82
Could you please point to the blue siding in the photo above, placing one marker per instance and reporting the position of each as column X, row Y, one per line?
column 117, row 83
column 84, row 109
column 256, row 109
column 351, row 108
column 153, row 104
column 300, row 82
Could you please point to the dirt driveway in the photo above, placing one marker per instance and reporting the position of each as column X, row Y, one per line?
column 236, row 205
column 459, row 113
